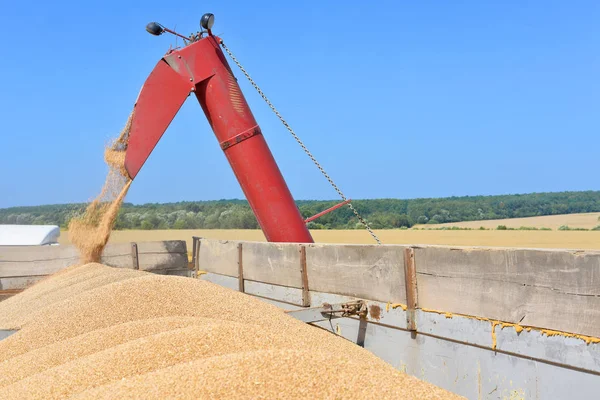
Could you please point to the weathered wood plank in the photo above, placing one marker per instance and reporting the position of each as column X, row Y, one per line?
column 51, row 253
column 368, row 272
column 549, row 289
column 166, row 246
column 197, row 254
column 186, row 272
column 134, row 256
column 158, row 261
column 567, row 271
column 222, row 280
column 47, row 267
column 19, row 283
column 240, row 268
column 22, row 261
column 46, row 253
column 219, row 256
column 195, row 251
column 304, row 274
column 412, row 296
column 274, row 263
column 285, row 294
column 32, row 268
column 37, row 253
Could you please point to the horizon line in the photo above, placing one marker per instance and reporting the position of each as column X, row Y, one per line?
column 316, row 200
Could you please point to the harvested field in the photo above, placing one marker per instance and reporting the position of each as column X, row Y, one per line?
column 522, row 239
column 93, row 331
column 584, row 220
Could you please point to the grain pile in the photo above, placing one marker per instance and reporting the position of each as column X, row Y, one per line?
column 91, row 230
column 93, row 331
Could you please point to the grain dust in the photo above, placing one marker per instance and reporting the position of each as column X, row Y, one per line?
column 90, row 231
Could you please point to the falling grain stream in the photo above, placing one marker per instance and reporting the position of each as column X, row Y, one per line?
column 90, row 231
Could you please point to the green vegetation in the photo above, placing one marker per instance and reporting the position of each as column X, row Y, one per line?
column 522, row 228
column 381, row 213
column 449, row 228
column 568, row 228
column 596, row 228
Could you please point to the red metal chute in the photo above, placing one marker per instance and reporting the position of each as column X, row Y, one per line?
column 201, row 67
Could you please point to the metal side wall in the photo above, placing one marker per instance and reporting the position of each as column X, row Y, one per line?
column 458, row 353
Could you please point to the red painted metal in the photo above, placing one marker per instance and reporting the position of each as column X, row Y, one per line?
column 201, row 67
column 330, row 209
column 159, row 100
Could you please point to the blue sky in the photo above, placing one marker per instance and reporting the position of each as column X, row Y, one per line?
column 396, row 99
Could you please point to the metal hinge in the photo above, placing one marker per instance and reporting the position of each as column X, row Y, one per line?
column 357, row 308
column 330, row 311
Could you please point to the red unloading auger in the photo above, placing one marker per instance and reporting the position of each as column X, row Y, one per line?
column 201, row 68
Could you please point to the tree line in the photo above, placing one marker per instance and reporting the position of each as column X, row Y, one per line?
column 380, row 213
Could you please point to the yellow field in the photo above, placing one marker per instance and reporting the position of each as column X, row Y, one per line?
column 528, row 239
column 587, row 220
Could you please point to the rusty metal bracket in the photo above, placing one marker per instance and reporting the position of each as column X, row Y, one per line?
column 240, row 269
column 240, row 137
column 134, row 256
column 194, row 243
column 196, row 254
column 412, row 296
column 353, row 308
column 330, row 311
column 304, row 273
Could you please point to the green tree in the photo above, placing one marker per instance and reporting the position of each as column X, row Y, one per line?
column 147, row 224
column 382, row 213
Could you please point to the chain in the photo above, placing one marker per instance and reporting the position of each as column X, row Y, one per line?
column 314, row 160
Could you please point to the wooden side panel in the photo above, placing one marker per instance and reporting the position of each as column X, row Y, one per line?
column 167, row 246
column 19, row 283
column 219, row 256
column 37, row 253
column 554, row 289
column 22, row 265
column 161, row 255
column 274, row 263
column 368, row 272
column 280, row 293
column 166, row 255
column 558, row 290
column 18, row 261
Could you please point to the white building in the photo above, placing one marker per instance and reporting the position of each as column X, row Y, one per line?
column 29, row 235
